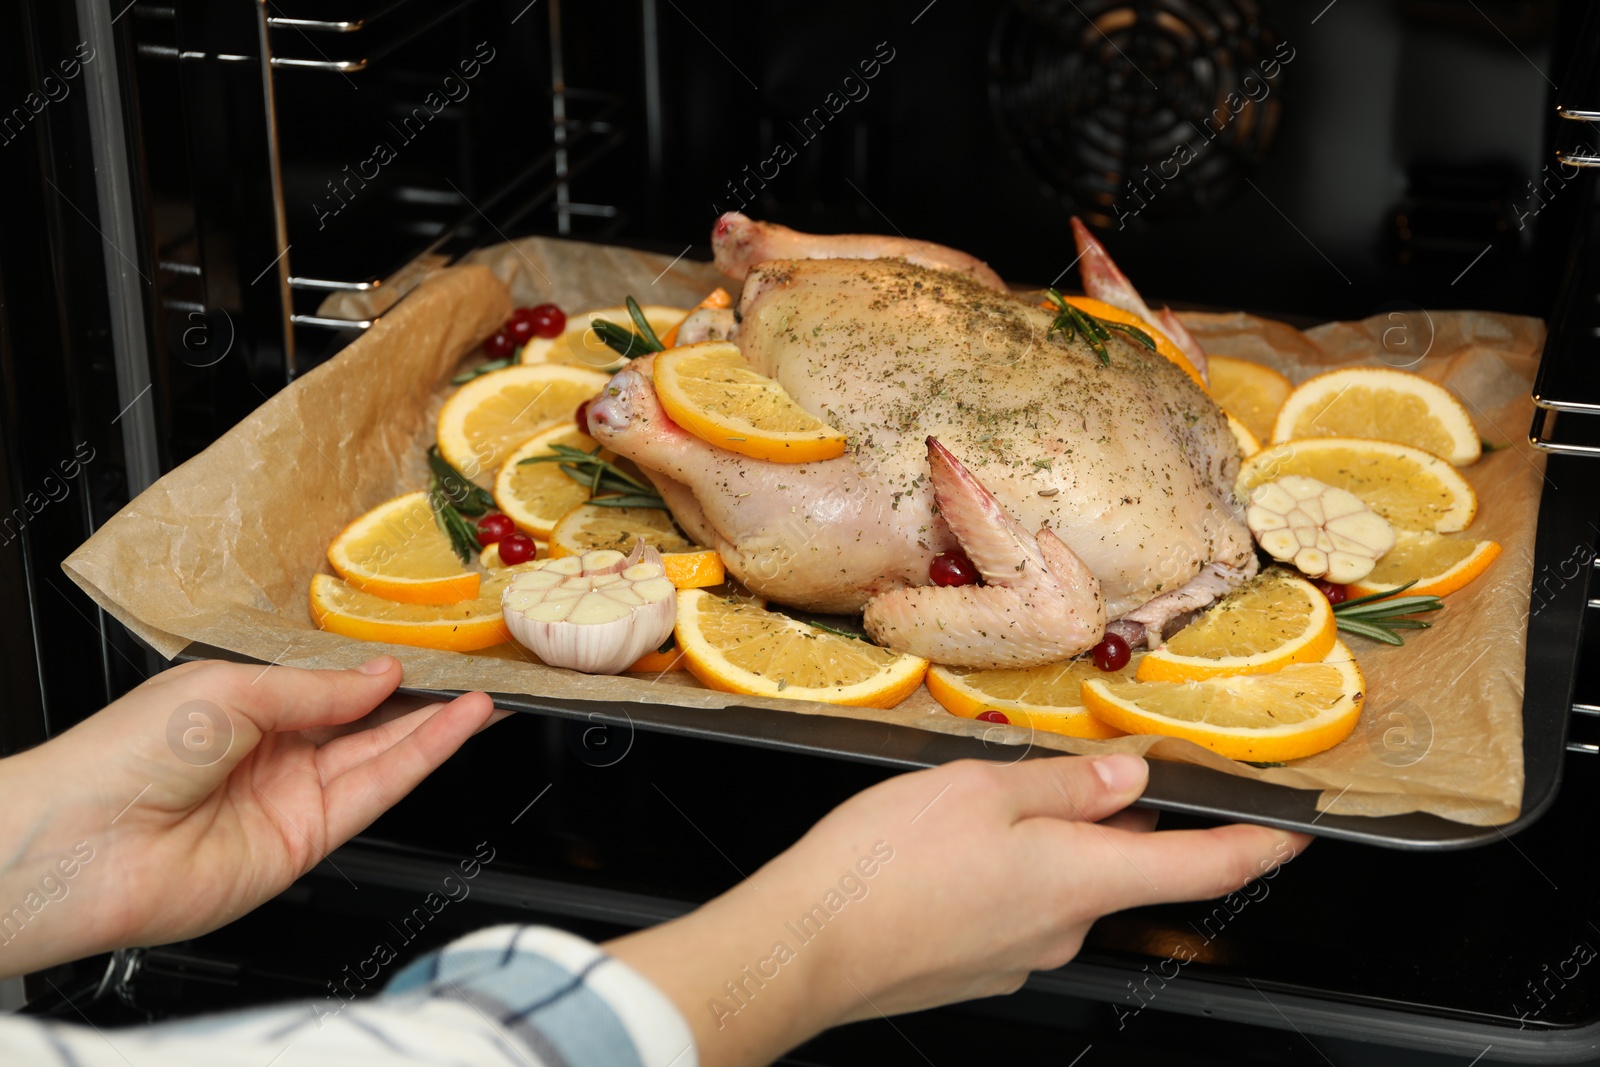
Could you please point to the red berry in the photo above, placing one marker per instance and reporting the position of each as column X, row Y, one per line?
column 583, row 415
column 1111, row 654
column 518, row 329
column 495, row 527
column 499, row 345
column 516, row 548
column 1336, row 594
column 548, row 320
column 952, row 568
column 994, row 716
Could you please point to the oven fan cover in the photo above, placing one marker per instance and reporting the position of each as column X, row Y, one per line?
column 1137, row 112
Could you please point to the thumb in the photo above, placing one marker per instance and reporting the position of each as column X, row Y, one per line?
column 1079, row 788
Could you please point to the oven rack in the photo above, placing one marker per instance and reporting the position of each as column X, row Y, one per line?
column 1566, row 390
column 581, row 143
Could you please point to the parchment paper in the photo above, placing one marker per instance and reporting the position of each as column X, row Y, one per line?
column 222, row 549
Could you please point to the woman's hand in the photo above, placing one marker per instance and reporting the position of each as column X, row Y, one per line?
column 933, row 887
column 199, row 795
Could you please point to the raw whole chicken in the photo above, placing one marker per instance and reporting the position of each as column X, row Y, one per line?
column 1089, row 494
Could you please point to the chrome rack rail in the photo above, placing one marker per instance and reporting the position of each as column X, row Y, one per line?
column 595, row 137
column 1566, row 390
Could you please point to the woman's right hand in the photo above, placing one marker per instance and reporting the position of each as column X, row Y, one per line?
column 933, row 887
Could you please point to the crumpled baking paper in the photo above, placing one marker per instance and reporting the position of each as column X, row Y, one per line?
column 223, row 548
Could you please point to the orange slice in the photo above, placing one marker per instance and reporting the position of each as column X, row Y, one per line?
column 1249, row 390
column 592, row 526
column 717, row 298
column 1301, row 710
column 1263, row 626
column 737, row 647
column 1102, row 310
column 1412, row 489
column 580, row 346
column 1249, row 444
column 1382, row 404
column 1045, row 698
column 659, row 661
column 712, row 391
column 398, row 552
column 467, row 626
column 487, row 418
column 1438, row 565
column 536, row 495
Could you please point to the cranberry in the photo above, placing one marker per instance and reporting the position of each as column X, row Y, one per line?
column 994, row 716
column 1336, row 594
column 583, row 415
column 519, row 329
column 548, row 320
column 952, row 568
column 495, row 527
column 499, row 345
column 516, row 548
column 1111, row 654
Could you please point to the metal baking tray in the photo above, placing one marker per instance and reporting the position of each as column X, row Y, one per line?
column 1554, row 629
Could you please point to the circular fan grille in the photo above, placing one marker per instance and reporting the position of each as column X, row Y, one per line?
column 1138, row 110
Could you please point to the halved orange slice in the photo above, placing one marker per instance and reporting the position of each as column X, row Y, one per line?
column 734, row 646
column 398, row 552
column 483, row 421
column 1266, row 624
column 1412, row 489
column 712, row 391
column 1248, row 390
column 463, row 627
column 1045, row 698
column 1299, row 711
column 1439, row 565
column 1382, row 404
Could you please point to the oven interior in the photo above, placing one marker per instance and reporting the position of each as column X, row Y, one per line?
column 1396, row 157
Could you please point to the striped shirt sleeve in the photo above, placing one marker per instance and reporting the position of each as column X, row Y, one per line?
column 518, row 996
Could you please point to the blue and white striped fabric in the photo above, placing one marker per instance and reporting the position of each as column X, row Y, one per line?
column 518, row 996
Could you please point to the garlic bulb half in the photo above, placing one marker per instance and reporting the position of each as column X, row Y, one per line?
column 1326, row 532
column 597, row 612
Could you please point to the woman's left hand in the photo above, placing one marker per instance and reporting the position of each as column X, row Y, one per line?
column 198, row 796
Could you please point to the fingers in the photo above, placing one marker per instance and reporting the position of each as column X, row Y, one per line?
column 364, row 791
column 1133, row 820
column 288, row 698
column 1180, row 865
column 1080, row 788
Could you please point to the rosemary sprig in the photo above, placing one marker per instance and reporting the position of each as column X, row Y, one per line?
column 625, row 342
column 1379, row 615
column 481, row 369
column 463, row 538
column 461, row 492
column 1071, row 321
column 601, row 476
column 825, row 628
